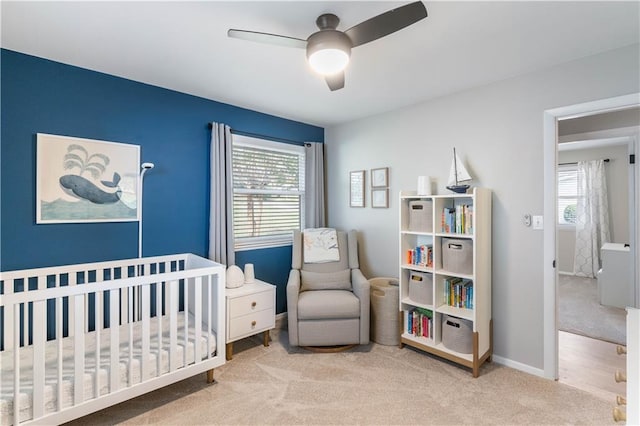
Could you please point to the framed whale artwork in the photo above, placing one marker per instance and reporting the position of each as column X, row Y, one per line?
column 86, row 180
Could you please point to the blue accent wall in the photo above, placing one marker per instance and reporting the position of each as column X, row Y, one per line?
column 42, row 96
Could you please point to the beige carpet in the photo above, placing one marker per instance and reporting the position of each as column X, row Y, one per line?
column 373, row 384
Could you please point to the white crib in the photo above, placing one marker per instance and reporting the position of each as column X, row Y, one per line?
column 79, row 338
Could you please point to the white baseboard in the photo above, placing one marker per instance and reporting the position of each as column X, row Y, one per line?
column 565, row 273
column 518, row 366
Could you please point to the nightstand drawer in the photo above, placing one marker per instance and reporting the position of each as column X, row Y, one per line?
column 251, row 324
column 243, row 305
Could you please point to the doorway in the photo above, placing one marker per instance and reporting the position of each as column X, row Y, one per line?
column 550, row 272
column 590, row 323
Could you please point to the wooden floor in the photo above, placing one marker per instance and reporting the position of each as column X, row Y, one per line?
column 590, row 365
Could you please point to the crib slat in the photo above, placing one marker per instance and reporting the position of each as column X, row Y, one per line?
column 197, row 326
column 130, row 310
column 114, row 347
column 87, row 302
column 78, row 339
column 98, row 322
column 159, row 290
column 39, row 340
column 9, row 317
column 73, row 280
column 146, row 334
column 124, row 303
column 209, row 296
column 24, row 331
column 59, row 349
column 173, row 325
column 187, row 283
column 9, row 327
column 16, row 364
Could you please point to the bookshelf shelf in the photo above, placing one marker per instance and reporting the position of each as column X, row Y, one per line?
column 409, row 302
column 416, row 267
column 459, row 281
column 456, row 312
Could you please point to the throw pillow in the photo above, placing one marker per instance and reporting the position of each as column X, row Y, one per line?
column 340, row 280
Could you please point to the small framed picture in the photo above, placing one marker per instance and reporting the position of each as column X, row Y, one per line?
column 356, row 188
column 380, row 177
column 380, row 198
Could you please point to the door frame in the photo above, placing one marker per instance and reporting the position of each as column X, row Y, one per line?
column 550, row 247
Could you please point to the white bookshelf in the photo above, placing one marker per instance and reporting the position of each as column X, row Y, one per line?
column 478, row 235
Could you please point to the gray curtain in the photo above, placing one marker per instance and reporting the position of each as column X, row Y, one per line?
column 314, row 185
column 221, row 204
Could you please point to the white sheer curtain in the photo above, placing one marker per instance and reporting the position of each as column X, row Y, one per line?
column 314, row 185
column 221, row 198
column 592, row 217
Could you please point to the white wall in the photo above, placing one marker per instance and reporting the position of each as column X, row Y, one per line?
column 498, row 131
column 617, row 172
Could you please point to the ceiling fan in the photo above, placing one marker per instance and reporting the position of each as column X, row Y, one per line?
column 328, row 50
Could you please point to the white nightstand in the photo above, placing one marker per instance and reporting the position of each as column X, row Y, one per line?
column 251, row 309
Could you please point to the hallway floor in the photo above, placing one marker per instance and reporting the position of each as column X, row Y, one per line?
column 590, row 365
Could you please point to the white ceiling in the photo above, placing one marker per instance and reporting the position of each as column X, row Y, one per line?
column 183, row 46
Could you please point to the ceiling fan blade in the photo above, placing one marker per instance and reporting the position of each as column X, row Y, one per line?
column 335, row 81
column 268, row 38
column 386, row 23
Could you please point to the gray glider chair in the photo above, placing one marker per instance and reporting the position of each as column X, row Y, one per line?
column 328, row 303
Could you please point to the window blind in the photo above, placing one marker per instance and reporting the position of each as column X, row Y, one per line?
column 268, row 192
column 567, row 194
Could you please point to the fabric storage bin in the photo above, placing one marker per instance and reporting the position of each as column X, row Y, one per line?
column 457, row 334
column 420, row 216
column 457, row 255
column 421, row 287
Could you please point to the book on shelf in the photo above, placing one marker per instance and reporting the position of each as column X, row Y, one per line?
column 457, row 220
column 419, row 322
column 458, row 293
column 421, row 256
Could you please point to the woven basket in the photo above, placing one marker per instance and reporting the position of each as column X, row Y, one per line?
column 384, row 311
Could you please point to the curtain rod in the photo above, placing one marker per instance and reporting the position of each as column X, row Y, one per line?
column 606, row 160
column 257, row 135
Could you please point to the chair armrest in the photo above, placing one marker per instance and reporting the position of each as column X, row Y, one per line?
column 361, row 288
column 293, row 289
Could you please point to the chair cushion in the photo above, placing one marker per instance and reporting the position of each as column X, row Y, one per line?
column 328, row 304
column 340, row 280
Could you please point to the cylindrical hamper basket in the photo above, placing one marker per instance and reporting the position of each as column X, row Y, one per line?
column 384, row 311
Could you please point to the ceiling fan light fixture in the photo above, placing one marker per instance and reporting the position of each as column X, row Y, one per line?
column 329, row 61
column 328, row 51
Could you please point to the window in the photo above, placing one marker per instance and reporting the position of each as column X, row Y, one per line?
column 268, row 192
column 567, row 194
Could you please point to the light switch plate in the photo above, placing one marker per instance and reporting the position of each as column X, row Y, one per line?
column 538, row 222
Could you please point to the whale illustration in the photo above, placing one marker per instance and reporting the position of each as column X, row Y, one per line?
column 83, row 188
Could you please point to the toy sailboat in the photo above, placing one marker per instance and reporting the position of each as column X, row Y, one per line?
column 458, row 175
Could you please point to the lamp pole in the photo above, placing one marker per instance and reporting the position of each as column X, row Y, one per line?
column 144, row 168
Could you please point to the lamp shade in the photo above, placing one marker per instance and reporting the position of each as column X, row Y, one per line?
column 328, row 51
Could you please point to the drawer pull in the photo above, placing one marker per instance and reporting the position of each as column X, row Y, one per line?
column 253, row 304
column 253, row 323
column 621, row 350
column 620, row 376
column 619, row 415
column 621, row 400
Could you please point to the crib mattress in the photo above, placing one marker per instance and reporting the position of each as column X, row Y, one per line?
column 129, row 372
